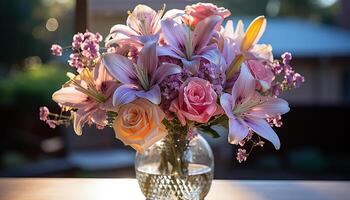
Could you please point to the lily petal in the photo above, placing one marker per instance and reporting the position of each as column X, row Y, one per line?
column 237, row 131
column 271, row 107
column 262, row 128
column 244, row 87
column 141, row 12
column 228, row 31
column 212, row 54
column 192, row 65
column 69, row 96
column 121, row 29
column 153, row 95
column 120, row 67
column 203, row 32
column 148, row 57
column 99, row 117
column 168, row 50
column 166, row 69
column 239, row 32
column 262, row 52
column 124, row 94
column 174, row 14
column 147, row 38
column 253, row 33
column 101, row 76
column 226, row 104
column 80, row 117
column 174, row 33
column 119, row 32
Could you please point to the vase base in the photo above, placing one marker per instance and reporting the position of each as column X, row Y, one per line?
column 194, row 186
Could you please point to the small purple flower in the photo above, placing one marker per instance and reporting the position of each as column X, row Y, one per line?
column 56, row 50
column 90, row 49
column 277, row 68
column 287, row 57
column 214, row 74
column 98, row 37
column 44, row 113
column 85, row 49
column 75, row 60
column 275, row 120
column 77, row 40
column 52, row 123
column 241, row 155
column 297, row 80
column 277, row 89
column 170, row 90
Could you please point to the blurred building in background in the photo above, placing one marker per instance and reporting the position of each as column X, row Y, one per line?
column 314, row 136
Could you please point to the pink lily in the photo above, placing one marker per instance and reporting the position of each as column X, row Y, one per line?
column 141, row 79
column 89, row 93
column 247, row 109
column 143, row 24
column 190, row 46
column 238, row 46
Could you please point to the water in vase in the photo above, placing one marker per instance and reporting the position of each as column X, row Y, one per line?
column 193, row 186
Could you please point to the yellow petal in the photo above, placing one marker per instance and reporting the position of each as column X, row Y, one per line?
column 253, row 33
column 235, row 66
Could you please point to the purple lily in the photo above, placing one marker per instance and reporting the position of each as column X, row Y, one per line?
column 141, row 79
column 190, row 45
column 248, row 109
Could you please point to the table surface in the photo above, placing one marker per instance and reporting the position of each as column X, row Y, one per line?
column 108, row 189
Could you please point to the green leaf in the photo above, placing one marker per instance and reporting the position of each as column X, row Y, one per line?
column 219, row 128
column 209, row 131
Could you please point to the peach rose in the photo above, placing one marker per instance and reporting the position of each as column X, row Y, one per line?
column 196, row 101
column 197, row 12
column 139, row 124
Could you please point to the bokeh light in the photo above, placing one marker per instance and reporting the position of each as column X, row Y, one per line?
column 52, row 24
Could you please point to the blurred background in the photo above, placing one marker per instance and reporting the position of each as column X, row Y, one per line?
column 315, row 135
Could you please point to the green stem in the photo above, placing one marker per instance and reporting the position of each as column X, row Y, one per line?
column 173, row 153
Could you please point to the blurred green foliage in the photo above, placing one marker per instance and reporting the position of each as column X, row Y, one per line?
column 24, row 33
column 32, row 86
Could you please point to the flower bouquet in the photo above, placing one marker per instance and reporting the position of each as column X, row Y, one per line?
column 163, row 79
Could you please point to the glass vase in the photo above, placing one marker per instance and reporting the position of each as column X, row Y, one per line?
column 176, row 168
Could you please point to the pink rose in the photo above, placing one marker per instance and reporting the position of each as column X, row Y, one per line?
column 197, row 12
column 196, row 101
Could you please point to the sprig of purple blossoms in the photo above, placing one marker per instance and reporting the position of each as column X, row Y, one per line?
column 286, row 77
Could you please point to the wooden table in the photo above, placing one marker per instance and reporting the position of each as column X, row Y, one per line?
column 120, row 189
